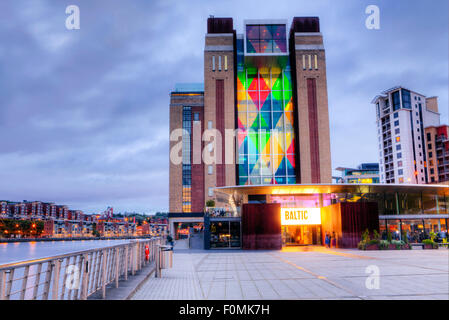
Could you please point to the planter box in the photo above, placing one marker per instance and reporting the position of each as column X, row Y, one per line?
column 392, row 247
column 372, row 247
column 429, row 246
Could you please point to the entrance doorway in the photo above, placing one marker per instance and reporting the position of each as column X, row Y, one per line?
column 301, row 235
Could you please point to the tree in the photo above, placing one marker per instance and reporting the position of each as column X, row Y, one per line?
column 210, row 203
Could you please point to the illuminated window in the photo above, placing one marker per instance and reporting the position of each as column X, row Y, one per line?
column 398, row 139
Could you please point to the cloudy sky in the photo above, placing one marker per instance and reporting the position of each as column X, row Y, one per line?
column 84, row 113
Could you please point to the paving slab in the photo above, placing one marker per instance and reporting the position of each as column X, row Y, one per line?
column 295, row 273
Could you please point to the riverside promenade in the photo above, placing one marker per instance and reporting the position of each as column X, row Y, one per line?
column 301, row 273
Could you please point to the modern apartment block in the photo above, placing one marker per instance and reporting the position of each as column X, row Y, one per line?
column 402, row 116
column 437, row 143
column 265, row 91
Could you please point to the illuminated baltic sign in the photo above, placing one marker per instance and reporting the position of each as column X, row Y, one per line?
column 300, row 216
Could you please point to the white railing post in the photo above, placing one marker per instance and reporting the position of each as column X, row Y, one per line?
column 55, row 287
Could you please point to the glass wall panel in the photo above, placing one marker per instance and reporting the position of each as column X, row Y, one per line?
column 394, row 226
column 235, row 234
column 219, row 234
column 429, row 203
column 443, row 204
column 267, row 134
column 414, row 230
column 410, row 203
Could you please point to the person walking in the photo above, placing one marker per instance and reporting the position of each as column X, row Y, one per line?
column 327, row 240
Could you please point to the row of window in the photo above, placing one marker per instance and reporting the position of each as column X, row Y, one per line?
column 220, row 58
column 307, row 61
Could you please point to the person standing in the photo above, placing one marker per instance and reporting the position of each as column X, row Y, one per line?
column 334, row 240
column 327, row 240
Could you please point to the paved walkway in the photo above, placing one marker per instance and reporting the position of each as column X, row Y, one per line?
column 301, row 273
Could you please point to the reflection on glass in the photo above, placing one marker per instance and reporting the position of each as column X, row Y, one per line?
column 225, row 234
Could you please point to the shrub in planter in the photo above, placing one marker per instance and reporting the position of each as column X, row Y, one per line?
column 361, row 245
column 429, row 244
column 384, row 244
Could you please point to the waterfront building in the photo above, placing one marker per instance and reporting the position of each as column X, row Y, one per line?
column 402, row 116
column 364, row 173
column 270, row 85
column 59, row 221
column 437, row 143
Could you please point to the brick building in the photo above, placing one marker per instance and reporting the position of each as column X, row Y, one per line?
column 265, row 96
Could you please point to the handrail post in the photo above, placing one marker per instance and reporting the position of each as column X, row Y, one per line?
column 85, row 281
column 47, row 280
column 103, row 275
column 24, row 282
column 36, row 281
column 126, row 261
column 55, row 287
column 2, row 284
column 117, row 254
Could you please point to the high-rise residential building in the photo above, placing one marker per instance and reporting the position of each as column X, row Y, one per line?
column 437, row 144
column 265, row 94
column 402, row 116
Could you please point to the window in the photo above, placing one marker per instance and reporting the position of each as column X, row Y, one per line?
column 399, row 163
column 397, row 131
column 213, row 63
column 429, row 146
column 211, row 192
column 398, row 139
column 210, row 169
column 209, row 124
column 398, row 147
column 430, row 154
column 406, row 99
column 268, row 38
column 401, row 180
column 396, row 123
column 226, row 63
column 400, row 172
column 396, row 101
column 432, row 171
column 196, row 116
column 399, row 155
column 396, row 115
column 219, row 63
column 429, row 137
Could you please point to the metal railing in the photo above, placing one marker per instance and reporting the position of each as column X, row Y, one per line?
column 75, row 276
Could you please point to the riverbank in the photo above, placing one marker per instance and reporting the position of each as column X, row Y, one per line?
column 4, row 240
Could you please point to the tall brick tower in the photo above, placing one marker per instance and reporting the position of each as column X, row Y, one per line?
column 309, row 60
column 219, row 97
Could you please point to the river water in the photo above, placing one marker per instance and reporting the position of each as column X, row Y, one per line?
column 22, row 251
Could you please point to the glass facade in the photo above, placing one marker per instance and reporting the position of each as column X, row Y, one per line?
column 225, row 234
column 266, row 138
column 266, row 39
column 186, row 164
